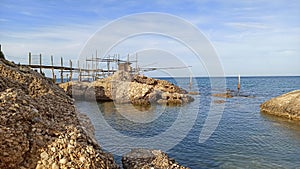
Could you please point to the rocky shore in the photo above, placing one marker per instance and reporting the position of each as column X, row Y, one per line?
column 286, row 105
column 41, row 128
column 125, row 88
column 39, row 125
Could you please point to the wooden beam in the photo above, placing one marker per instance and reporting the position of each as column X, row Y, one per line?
column 29, row 58
column 40, row 63
column 53, row 75
column 71, row 73
column 62, row 70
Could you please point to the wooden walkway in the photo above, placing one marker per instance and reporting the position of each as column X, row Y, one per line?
column 86, row 73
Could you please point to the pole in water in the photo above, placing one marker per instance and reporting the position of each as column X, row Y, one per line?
column 191, row 81
column 239, row 84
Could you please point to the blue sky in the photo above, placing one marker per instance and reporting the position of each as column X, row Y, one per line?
column 259, row 37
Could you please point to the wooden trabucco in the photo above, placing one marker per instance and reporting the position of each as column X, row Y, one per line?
column 88, row 73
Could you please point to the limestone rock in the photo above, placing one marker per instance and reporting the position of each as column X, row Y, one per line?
column 121, row 87
column 40, row 127
column 148, row 159
column 286, row 105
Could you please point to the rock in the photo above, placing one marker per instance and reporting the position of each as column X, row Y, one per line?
column 39, row 124
column 121, row 87
column 219, row 101
column 44, row 155
column 286, row 105
column 193, row 92
column 228, row 94
column 174, row 99
column 147, row 159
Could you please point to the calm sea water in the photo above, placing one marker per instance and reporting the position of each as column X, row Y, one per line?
column 244, row 137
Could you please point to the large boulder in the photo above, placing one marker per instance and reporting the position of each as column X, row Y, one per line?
column 148, row 159
column 122, row 87
column 286, row 105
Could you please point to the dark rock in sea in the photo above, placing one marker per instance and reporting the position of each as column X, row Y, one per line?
column 286, row 105
column 122, row 87
column 231, row 94
column 149, row 159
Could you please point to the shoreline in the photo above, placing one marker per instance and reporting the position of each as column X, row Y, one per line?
column 42, row 128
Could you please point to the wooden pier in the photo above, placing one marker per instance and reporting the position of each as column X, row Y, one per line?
column 90, row 72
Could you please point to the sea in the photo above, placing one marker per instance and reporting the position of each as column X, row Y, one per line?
column 208, row 132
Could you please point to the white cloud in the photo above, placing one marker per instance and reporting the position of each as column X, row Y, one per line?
column 247, row 25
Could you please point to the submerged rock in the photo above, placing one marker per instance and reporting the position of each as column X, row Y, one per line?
column 149, row 159
column 286, row 105
column 121, row 87
column 40, row 127
column 231, row 94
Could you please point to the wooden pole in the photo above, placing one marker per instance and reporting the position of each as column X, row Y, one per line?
column 136, row 63
column 239, row 83
column 62, row 70
column 88, row 67
column 29, row 58
column 96, row 64
column 108, row 65
column 92, row 67
column 191, row 81
column 40, row 63
column 71, row 72
column 79, row 75
column 53, row 75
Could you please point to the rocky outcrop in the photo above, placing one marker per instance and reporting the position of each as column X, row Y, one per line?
column 228, row 94
column 121, row 87
column 148, row 159
column 232, row 93
column 39, row 125
column 286, row 105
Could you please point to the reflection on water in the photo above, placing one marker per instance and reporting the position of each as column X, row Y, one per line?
column 138, row 114
column 290, row 127
column 138, row 121
column 244, row 138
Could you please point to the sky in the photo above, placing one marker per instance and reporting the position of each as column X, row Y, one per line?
column 250, row 37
